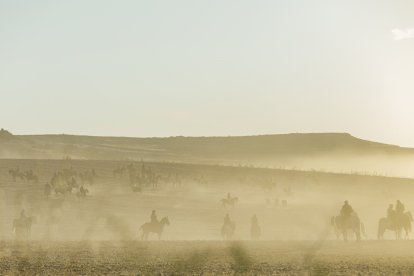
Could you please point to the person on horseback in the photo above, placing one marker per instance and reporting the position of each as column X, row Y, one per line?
column 254, row 220
column 154, row 219
column 227, row 220
column 48, row 189
column 391, row 214
column 255, row 228
column 23, row 215
column 83, row 191
column 399, row 208
column 399, row 211
column 346, row 210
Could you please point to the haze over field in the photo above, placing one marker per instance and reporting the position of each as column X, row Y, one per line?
column 220, row 137
column 336, row 152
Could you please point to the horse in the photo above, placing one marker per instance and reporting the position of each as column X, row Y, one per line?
column 30, row 176
column 16, row 174
column 231, row 201
column 22, row 227
column 82, row 193
column 343, row 225
column 136, row 188
column 118, row 172
column 156, row 228
column 396, row 226
column 62, row 188
column 228, row 229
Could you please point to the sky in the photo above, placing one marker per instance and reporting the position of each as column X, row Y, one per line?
column 204, row 68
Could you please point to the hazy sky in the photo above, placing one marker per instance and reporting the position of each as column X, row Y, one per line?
column 214, row 67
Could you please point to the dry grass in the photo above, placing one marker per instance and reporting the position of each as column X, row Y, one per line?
column 204, row 258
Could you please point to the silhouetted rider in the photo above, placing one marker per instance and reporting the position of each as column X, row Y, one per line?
column 346, row 210
column 227, row 220
column 399, row 208
column 254, row 220
column 391, row 214
column 23, row 214
column 154, row 218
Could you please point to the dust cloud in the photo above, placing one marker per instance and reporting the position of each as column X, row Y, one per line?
column 108, row 205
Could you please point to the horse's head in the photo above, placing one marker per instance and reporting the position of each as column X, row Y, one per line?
column 165, row 220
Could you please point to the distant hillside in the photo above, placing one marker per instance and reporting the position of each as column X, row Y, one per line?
column 308, row 151
column 5, row 135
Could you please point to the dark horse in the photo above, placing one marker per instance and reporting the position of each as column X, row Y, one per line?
column 228, row 229
column 22, row 227
column 157, row 228
column 404, row 222
column 16, row 174
column 343, row 225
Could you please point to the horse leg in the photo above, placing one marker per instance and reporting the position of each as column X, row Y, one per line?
column 358, row 234
column 345, row 235
column 380, row 235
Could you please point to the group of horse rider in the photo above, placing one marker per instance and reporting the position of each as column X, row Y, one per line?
column 393, row 214
column 255, row 230
column 226, row 223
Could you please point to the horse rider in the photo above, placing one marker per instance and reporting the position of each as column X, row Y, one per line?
column 48, row 189
column 23, row 215
column 154, row 219
column 254, row 220
column 391, row 214
column 346, row 210
column 399, row 208
column 227, row 220
column 255, row 228
column 82, row 191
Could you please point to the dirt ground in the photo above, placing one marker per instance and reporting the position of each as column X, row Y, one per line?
column 207, row 258
column 100, row 234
